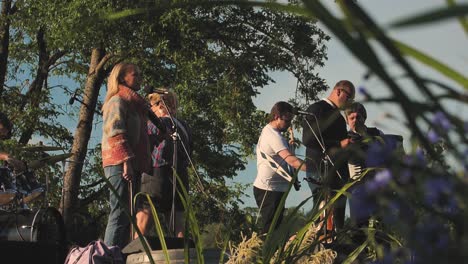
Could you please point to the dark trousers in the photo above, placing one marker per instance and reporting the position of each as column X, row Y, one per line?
column 268, row 202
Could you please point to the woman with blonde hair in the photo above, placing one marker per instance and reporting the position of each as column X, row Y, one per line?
column 160, row 186
column 125, row 146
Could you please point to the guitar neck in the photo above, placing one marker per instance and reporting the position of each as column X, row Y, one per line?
column 292, row 147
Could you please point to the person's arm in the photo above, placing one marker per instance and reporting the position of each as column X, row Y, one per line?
column 15, row 163
column 292, row 160
column 115, row 128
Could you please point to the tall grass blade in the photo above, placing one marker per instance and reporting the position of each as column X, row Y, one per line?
column 433, row 63
column 157, row 226
column 354, row 255
column 463, row 20
column 435, row 15
column 191, row 217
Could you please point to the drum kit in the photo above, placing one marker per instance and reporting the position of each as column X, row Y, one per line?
column 20, row 188
column 18, row 191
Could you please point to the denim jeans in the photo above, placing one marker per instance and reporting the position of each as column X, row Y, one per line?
column 118, row 224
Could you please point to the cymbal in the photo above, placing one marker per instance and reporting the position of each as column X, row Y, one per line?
column 41, row 148
column 36, row 164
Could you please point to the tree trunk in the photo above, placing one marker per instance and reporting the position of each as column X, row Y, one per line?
column 34, row 91
column 7, row 10
column 72, row 178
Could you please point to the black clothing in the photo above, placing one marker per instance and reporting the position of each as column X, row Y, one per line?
column 159, row 187
column 331, row 128
column 268, row 202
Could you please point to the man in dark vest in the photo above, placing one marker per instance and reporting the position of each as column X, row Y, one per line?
column 324, row 135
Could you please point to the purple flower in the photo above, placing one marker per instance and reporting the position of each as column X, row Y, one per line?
column 432, row 236
column 440, row 119
column 405, row 176
column 361, row 205
column 380, row 154
column 396, row 209
column 417, row 159
column 420, row 156
column 380, row 180
column 363, row 91
column 392, row 212
column 439, row 194
column 433, row 137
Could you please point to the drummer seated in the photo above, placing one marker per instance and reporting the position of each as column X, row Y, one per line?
column 5, row 133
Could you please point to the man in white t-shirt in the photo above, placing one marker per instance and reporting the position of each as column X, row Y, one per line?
column 270, row 185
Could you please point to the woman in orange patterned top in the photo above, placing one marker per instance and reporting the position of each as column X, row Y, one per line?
column 125, row 148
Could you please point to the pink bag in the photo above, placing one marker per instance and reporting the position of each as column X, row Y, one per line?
column 95, row 252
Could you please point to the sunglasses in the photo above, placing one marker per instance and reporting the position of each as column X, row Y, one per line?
column 348, row 94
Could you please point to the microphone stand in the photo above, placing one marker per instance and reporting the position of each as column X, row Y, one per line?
column 175, row 137
column 326, row 160
column 322, row 145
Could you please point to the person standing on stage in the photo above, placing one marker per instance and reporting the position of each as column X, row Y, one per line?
column 361, row 208
column 125, row 146
column 160, row 185
column 329, row 128
column 273, row 157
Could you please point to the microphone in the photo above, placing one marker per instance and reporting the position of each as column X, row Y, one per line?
column 296, row 111
column 160, row 91
column 72, row 99
column 148, row 89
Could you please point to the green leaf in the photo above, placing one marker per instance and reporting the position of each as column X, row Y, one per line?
column 433, row 63
column 462, row 19
column 432, row 16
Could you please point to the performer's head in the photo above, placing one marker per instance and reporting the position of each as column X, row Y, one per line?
column 342, row 94
column 356, row 116
column 281, row 115
column 5, row 127
column 127, row 74
column 162, row 101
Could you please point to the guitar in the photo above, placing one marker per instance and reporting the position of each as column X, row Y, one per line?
column 292, row 149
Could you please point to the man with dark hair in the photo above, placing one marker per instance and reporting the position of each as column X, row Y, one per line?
column 5, row 133
column 356, row 116
column 325, row 133
column 273, row 159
